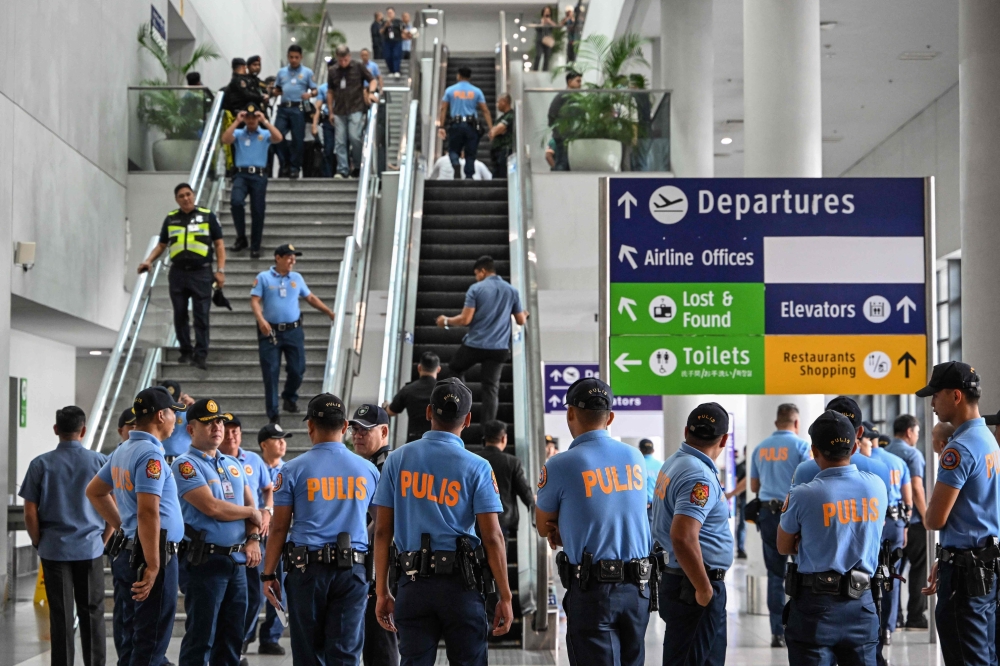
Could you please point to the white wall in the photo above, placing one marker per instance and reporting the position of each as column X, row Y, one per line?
column 927, row 145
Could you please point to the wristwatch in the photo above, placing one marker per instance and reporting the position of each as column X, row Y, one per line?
column 269, row 509
column 266, row 577
column 253, row 537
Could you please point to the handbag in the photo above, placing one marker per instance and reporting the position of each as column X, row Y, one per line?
column 752, row 510
column 548, row 41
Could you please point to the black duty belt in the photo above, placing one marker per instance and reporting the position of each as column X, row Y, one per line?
column 216, row 549
column 189, row 268
column 324, row 556
column 967, row 557
column 464, row 119
column 259, row 171
column 616, row 571
column 714, row 575
column 773, row 505
column 285, row 327
column 170, row 549
column 851, row 584
column 297, row 105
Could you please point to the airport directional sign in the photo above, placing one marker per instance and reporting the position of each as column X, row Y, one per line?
column 830, row 270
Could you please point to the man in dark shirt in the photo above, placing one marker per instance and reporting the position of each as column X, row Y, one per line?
column 345, row 99
column 415, row 396
column 376, row 30
column 574, row 80
column 508, row 473
column 502, row 136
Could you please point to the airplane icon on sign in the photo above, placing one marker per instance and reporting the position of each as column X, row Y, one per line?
column 666, row 203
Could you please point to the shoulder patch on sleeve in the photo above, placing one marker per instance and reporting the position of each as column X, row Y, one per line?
column 187, row 470
column 543, row 477
column 496, row 487
column 784, row 507
column 153, row 469
column 277, row 482
column 700, row 494
column 950, row 459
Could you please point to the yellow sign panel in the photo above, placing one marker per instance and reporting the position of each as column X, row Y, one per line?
column 851, row 364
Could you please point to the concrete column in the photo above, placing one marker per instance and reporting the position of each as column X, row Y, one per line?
column 688, row 62
column 782, row 108
column 979, row 175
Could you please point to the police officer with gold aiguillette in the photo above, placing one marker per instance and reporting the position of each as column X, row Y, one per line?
column 192, row 233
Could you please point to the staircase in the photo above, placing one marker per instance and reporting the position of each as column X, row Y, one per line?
column 484, row 76
column 394, row 108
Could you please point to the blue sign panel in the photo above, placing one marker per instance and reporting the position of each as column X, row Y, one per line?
column 836, row 309
column 559, row 376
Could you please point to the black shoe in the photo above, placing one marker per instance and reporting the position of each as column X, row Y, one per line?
column 887, row 637
column 270, row 648
column 458, row 174
column 741, row 554
column 289, row 406
column 777, row 641
column 185, row 357
column 293, row 174
column 246, row 646
column 274, row 419
column 244, row 661
column 240, row 245
column 200, row 363
column 919, row 622
column 255, row 254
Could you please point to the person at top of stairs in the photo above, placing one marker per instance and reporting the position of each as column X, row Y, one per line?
column 489, row 303
column 179, row 442
column 460, row 104
column 274, row 300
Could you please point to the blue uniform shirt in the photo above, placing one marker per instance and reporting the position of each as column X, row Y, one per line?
column 179, row 441
column 137, row 466
column 250, row 148
column 495, row 301
column 598, row 486
column 434, row 486
column 971, row 463
column 914, row 460
column 279, row 295
column 257, row 473
column 774, row 462
column 321, row 94
column 840, row 517
column 373, row 68
column 808, row 470
column 652, row 470
column 463, row 99
column 688, row 485
column 224, row 479
column 329, row 489
column 71, row 528
column 899, row 473
column 294, row 82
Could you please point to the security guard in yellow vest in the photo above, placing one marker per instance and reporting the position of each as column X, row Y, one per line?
column 191, row 233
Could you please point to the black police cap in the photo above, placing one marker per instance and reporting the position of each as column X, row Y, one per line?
column 206, row 410
column 950, row 375
column 272, row 431
column 233, row 420
column 833, row 433
column 252, row 59
column 451, row 399
column 153, row 399
column 237, row 62
column 369, row 416
column 708, row 421
column 590, row 393
column 848, row 407
column 883, row 440
column 326, row 408
column 871, row 432
column 127, row 417
column 173, row 388
column 285, row 250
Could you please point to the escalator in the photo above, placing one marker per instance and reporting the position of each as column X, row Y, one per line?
column 484, row 77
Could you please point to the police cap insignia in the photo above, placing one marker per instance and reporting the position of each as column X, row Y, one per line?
column 211, row 406
column 950, row 459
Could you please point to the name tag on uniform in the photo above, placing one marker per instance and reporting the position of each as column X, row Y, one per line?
column 392, row 35
column 246, row 142
column 192, row 226
column 343, row 84
column 282, row 292
column 227, row 490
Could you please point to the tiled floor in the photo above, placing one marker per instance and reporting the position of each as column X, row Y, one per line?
column 24, row 641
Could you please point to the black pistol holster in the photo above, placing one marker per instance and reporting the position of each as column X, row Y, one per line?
column 792, row 580
column 345, row 559
column 976, row 567
column 467, row 564
column 563, row 568
column 194, row 552
column 658, row 562
column 138, row 558
column 585, row 565
column 115, row 544
column 393, row 569
column 484, row 572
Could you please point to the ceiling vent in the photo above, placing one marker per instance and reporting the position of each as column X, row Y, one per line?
column 919, row 55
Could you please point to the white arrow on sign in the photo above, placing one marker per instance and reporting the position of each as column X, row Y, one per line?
column 555, row 401
column 906, row 305
column 555, row 375
column 626, row 252
column 626, row 304
column 622, row 362
column 629, row 201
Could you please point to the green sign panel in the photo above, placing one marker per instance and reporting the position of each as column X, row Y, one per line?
column 23, row 416
column 652, row 308
column 674, row 365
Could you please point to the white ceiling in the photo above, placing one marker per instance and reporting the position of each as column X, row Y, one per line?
column 868, row 92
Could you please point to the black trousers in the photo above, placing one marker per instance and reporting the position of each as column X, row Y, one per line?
column 499, row 156
column 195, row 286
column 492, row 361
column 915, row 553
column 82, row 582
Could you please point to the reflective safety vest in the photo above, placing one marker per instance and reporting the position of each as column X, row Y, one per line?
column 192, row 236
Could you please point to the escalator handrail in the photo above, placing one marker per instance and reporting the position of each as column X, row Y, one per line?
column 202, row 162
column 319, row 60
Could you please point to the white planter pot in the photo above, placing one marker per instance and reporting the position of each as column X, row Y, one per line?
column 174, row 154
column 604, row 155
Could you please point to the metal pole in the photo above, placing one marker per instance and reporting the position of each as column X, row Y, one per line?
column 930, row 282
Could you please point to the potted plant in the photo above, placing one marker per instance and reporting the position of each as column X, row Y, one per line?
column 304, row 29
column 597, row 124
column 179, row 115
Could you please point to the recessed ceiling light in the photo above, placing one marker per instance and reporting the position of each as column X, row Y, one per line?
column 515, row 49
column 726, row 141
column 515, row 36
column 523, row 29
column 919, row 55
column 525, row 56
column 524, row 39
column 95, row 352
column 827, row 25
column 517, row 20
column 432, row 21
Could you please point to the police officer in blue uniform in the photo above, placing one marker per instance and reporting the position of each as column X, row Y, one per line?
column 258, row 477
column 179, row 441
column 462, row 103
column 250, row 145
column 893, row 532
column 834, row 527
column 653, row 465
column 221, row 535
column 69, row 536
column 432, row 496
column 328, row 491
column 808, row 470
column 126, row 424
column 691, row 522
column 592, row 501
column 295, row 85
column 271, row 439
column 136, row 493
column 274, row 300
column 771, row 469
column 965, row 508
